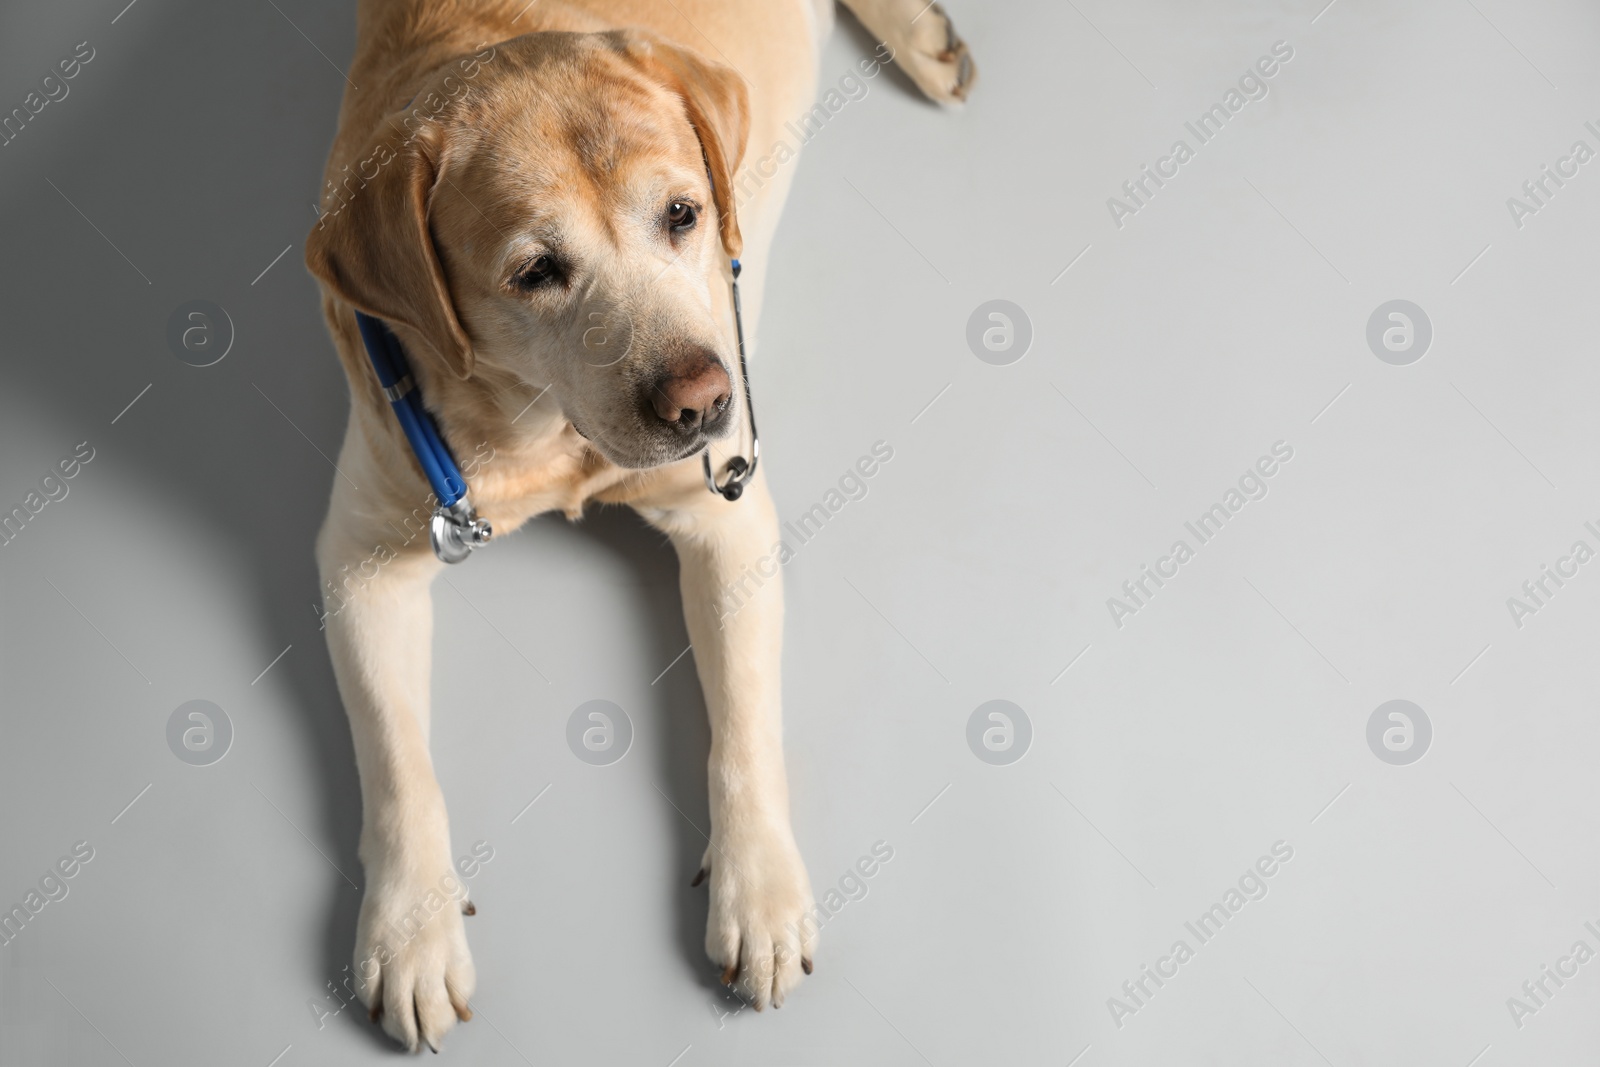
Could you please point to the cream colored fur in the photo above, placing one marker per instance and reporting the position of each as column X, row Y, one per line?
column 481, row 356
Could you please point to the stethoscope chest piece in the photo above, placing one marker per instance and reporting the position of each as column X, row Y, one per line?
column 455, row 531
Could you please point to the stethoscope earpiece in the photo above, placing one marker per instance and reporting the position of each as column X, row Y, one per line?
column 740, row 470
column 733, row 489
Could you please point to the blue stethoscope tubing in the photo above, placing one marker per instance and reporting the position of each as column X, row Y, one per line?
column 394, row 374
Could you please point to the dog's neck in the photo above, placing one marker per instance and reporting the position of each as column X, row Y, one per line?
column 521, row 454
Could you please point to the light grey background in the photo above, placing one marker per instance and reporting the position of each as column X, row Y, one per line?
column 1230, row 713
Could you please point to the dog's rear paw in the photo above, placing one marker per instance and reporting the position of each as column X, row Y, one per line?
column 935, row 57
column 415, row 970
column 760, row 932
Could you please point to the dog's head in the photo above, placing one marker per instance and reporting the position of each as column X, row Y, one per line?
column 556, row 211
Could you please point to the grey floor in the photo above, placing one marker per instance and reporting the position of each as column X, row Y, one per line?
column 1168, row 748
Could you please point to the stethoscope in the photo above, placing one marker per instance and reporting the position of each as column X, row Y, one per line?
column 739, row 471
column 455, row 530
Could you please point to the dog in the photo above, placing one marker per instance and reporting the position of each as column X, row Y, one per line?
column 541, row 201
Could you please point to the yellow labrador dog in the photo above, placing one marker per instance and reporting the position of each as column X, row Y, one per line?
column 540, row 201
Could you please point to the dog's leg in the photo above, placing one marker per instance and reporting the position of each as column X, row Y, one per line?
column 760, row 931
column 412, row 964
column 925, row 45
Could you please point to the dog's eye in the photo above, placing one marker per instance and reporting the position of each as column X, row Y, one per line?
column 681, row 215
column 537, row 272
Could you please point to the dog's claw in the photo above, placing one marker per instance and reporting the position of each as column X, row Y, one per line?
column 930, row 51
column 469, row 908
column 729, row 973
column 805, row 964
column 459, row 1003
column 698, row 878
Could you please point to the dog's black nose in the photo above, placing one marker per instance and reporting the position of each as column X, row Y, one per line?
column 693, row 393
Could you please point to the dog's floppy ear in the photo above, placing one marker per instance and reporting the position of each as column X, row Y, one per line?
column 373, row 247
column 719, row 109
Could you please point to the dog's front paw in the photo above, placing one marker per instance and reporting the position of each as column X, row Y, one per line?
column 412, row 960
column 761, row 931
